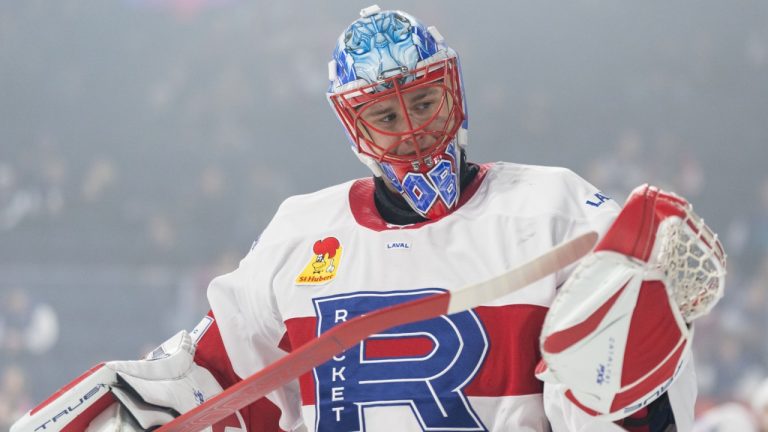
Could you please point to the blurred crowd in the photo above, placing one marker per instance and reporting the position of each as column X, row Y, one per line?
column 28, row 329
column 149, row 169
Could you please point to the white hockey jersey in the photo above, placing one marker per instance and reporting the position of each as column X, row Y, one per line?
column 327, row 257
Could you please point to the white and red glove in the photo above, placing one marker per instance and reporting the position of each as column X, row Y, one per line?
column 150, row 392
column 619, row 330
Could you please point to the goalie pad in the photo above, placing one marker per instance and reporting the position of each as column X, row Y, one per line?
column 150, row 392
column 619, row 330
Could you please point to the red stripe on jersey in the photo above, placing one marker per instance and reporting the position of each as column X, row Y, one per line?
column 513, row 335
column 301, row 331
column 260, row 416
column 508, row 370
column 404, row 347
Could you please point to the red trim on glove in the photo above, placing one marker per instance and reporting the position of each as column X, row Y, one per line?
column 81, row 422
column 562, row 340
column 66, row 388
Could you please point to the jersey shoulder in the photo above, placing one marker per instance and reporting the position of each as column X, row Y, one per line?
column 531, row 190
column 299, row 215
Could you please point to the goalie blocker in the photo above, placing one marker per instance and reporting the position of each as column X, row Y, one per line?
column 151, row 392
column 619, row 331
column 139, row 395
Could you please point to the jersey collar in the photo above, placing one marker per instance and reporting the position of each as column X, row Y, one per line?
column 363, row 206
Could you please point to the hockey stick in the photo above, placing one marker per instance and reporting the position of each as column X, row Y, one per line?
column 347, row 334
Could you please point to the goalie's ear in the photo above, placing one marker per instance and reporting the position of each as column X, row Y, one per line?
column 617, row 333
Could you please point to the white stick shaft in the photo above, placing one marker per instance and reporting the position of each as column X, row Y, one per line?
column 557, row 258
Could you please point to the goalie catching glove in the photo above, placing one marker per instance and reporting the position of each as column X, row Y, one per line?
column 150, row 392
column 620, row 328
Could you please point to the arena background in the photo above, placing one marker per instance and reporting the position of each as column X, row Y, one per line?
column 144, row 144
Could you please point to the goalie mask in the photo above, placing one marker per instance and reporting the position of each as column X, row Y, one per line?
column 396, row 88
column 619, row 331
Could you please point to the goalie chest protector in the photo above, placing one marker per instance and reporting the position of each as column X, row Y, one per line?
column 327, row 257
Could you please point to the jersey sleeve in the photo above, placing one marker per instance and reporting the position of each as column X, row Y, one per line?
column 260, row 416
column 250, row 325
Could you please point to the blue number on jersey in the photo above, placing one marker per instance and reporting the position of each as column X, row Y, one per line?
column 430, row 383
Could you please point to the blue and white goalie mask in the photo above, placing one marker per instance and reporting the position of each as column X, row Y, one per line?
column 396, row 88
